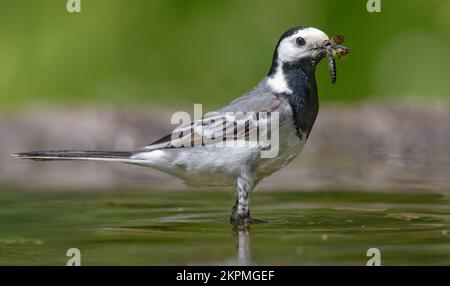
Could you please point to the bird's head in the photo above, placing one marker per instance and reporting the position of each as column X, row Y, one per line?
column 304, row 47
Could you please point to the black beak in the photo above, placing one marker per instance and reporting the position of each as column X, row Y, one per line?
column 320, row 52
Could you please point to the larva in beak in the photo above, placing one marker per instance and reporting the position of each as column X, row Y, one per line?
column 335, row 51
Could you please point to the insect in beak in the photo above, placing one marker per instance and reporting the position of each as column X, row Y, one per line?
column 334, row 50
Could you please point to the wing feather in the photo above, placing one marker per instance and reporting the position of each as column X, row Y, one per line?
column 219, row 128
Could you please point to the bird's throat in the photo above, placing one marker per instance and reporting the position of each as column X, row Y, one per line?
column 300, row 91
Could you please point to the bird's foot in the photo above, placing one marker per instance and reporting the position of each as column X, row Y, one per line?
column 239, row 220
column 251, row 220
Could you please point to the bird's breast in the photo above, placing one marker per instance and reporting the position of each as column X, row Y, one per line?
column 290, row 145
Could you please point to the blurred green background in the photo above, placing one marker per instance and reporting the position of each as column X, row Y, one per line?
column 171, row 54
column 179, row 52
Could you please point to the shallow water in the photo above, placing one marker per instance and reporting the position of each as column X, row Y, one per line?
column 191, row 227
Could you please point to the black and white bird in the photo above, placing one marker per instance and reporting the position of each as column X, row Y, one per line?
column 289, row 89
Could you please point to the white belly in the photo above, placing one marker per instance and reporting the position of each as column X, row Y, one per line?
column 203, row 166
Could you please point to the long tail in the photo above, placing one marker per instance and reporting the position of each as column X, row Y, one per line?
column 78, row 155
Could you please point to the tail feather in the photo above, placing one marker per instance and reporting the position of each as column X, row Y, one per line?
column 76, row 155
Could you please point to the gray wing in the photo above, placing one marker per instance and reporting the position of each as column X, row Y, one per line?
column 223, row 125
column 258, row 99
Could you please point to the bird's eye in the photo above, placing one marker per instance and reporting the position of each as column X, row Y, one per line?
column 300, row 41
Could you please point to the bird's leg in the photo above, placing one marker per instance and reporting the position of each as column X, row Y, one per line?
column 240, row 213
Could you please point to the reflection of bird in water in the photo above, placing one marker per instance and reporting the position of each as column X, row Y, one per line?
column 288, row 92
column 244, row 252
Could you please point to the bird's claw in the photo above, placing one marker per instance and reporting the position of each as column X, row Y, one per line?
column 245, row 220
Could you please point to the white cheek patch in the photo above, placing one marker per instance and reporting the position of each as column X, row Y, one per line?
column 289, row 52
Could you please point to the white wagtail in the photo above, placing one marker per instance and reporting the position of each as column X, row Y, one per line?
column 289, row 89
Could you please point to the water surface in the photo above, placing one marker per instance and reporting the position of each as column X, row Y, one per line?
column 143, row 227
